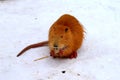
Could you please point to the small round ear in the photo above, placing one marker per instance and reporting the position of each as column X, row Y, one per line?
column 66, row 29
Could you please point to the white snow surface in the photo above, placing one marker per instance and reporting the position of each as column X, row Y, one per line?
column 24, row 22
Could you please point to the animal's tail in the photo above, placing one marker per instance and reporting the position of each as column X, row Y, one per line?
column 33, row 46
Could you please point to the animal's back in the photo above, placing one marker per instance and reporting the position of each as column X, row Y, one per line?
column 67, row 20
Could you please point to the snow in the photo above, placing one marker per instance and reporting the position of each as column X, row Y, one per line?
column 23, row 22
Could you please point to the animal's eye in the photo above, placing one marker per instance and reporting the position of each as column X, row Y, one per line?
column 61, row 36
column 66, row 29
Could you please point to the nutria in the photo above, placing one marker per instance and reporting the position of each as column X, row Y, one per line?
column 65, row 38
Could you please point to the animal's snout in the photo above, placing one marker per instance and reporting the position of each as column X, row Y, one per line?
column 55, row 45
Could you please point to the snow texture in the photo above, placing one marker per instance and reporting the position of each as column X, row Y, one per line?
column 24, row 22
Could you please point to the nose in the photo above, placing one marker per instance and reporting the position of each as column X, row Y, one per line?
column 55, row 45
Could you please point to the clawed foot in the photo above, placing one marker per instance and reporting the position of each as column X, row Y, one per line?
column 52, row 54
column 73, row 55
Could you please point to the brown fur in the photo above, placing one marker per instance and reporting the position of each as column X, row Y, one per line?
column 71, row 39
column 65, row 37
